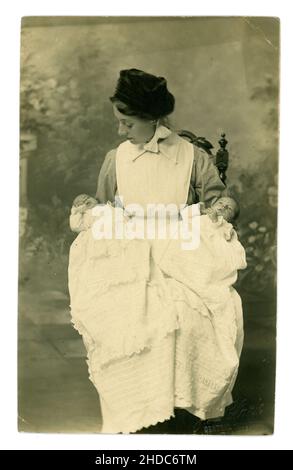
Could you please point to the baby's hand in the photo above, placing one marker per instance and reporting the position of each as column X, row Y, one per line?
column 211, row 213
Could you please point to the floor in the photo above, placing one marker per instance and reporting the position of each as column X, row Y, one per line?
column 55, row 394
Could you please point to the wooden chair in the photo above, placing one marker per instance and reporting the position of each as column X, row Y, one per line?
column 222, row 155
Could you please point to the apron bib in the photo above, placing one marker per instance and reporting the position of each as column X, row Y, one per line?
column 155, row 178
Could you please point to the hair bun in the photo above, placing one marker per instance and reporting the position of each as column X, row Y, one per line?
column 144, row 93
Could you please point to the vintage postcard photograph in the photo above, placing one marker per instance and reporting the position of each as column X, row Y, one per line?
column 148, row 224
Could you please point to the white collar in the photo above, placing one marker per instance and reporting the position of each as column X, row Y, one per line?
column 161, row 133
column 162, row 141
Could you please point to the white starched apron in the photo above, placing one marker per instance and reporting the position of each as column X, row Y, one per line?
column 155, row 178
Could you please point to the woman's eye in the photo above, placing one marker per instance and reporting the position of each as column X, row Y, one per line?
column 125, row 124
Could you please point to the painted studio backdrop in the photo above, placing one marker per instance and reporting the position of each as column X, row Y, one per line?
column 224, row 75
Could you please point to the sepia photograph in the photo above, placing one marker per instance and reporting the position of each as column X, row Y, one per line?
column 148, row 207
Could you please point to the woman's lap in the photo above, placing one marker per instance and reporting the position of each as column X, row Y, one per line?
column 179, row 371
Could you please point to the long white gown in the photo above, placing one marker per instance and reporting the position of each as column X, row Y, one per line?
column 162, row 326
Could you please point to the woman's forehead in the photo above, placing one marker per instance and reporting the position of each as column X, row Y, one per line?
column 121, row 116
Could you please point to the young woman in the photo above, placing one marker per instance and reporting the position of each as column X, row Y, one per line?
column 160, row 354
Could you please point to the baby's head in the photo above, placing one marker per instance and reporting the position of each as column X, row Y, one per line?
column 85, row 201
column 227, row 207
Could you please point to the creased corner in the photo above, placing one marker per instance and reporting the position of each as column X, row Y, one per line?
column 260, row 31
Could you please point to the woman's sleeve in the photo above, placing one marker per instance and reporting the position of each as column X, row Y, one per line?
column 205, row 178
column 107, row 183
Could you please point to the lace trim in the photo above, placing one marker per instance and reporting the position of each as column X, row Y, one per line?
column 133, row 341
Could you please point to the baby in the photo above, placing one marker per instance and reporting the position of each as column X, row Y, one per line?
column 217, row 256
column 226, row 207
column 81, row 217
column 218, row 220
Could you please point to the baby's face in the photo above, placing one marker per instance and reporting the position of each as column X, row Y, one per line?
column 226, row 207
column 84, row 200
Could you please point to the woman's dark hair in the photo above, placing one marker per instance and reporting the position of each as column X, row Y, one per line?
column 143, row 95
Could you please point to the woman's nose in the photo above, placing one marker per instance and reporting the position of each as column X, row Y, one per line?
column 122, row 129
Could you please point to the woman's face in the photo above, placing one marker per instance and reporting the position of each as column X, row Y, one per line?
column 135, row 129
